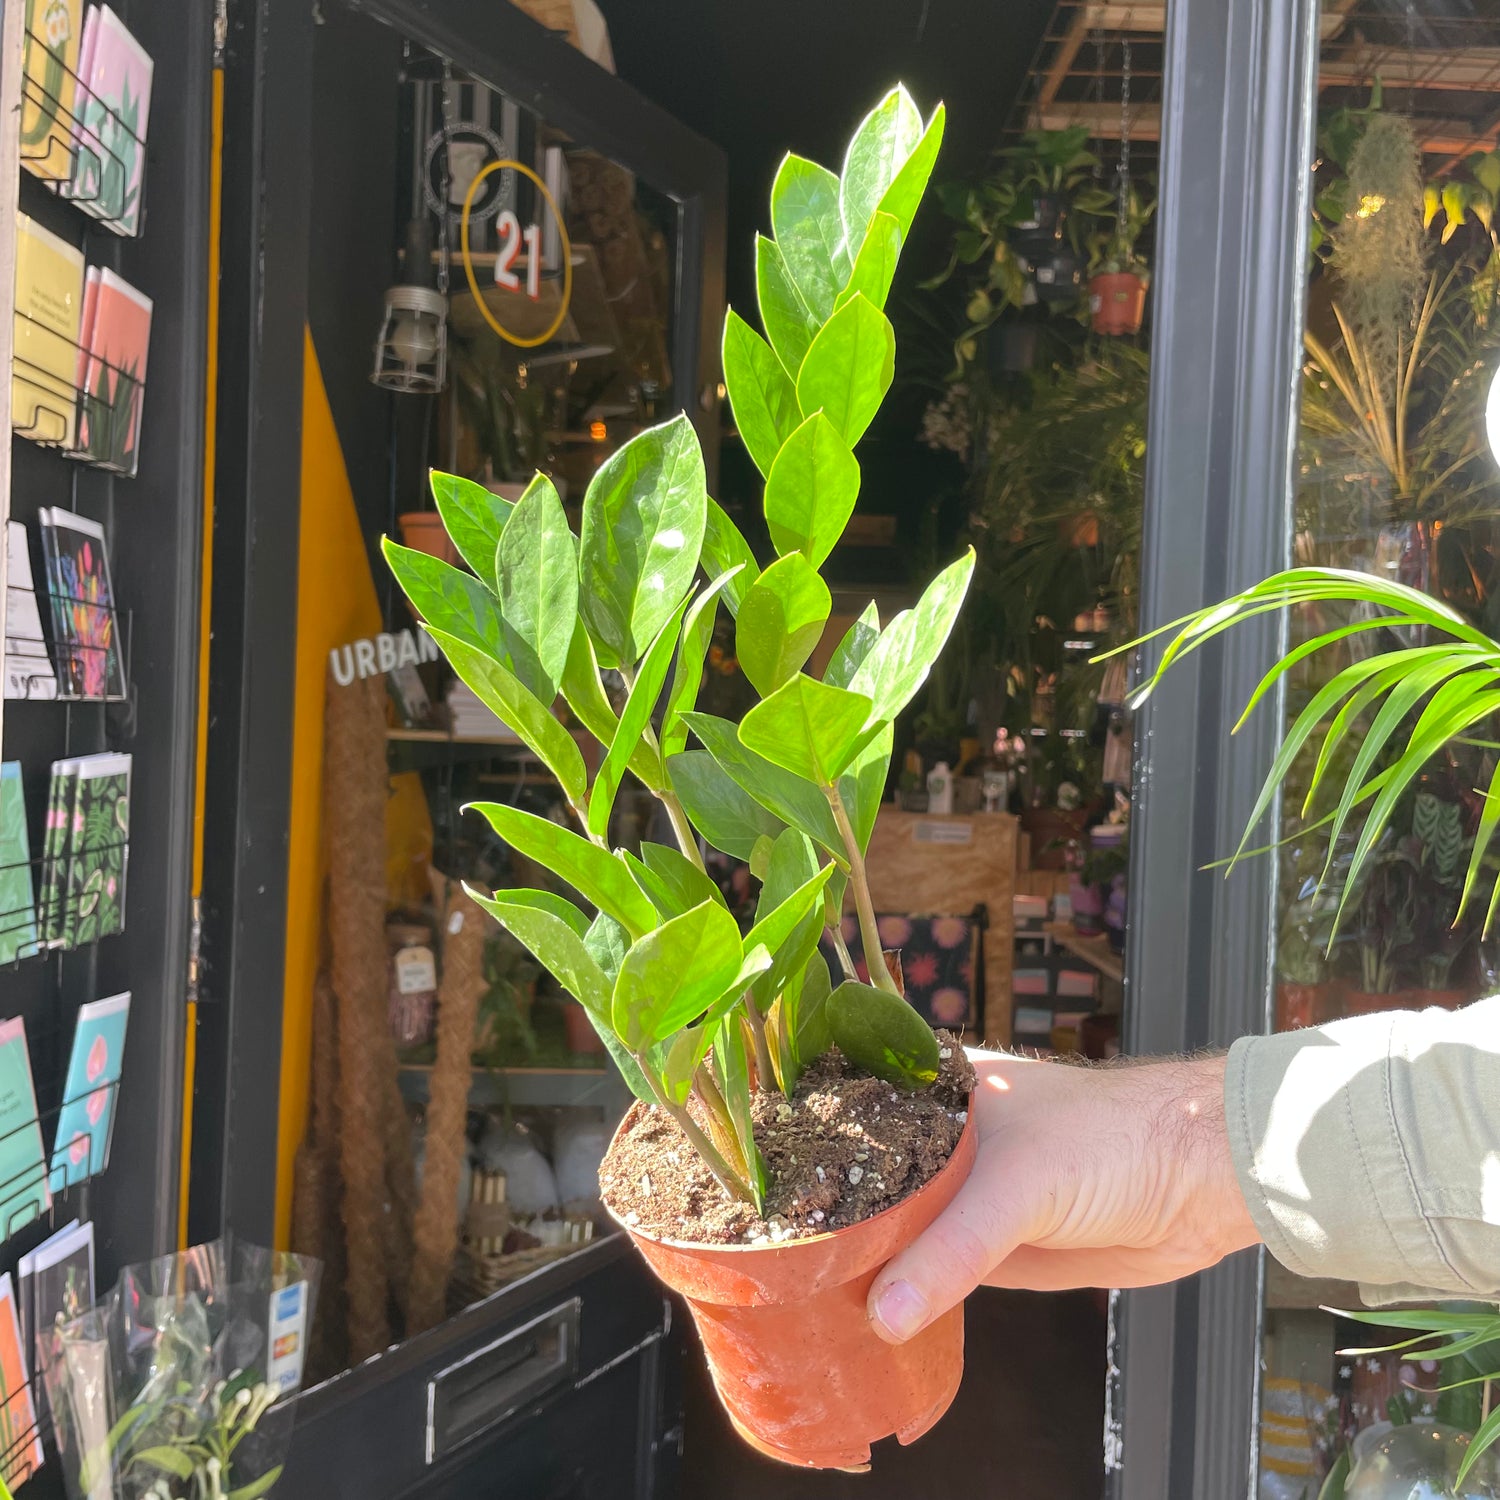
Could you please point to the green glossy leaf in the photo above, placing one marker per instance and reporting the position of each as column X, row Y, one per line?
column 852, row 650
column 811, row 1034
column 675, row 973
column 810, row 231
column 686, row 1050
column 789, row 325
column 880, row 1033
column 885, row 139
column 474, row 519
column 862, row 786
column 811, row 491
column 791, row 863
column 731, row 1056
column 550, row 903
column 585, row 695
column 898, row 664
column 760, row 855
column 848, row 368
column 808, row 728
column 643, row 523
column 901, row 198
column 761, row 392
column 635, row 718
column 789, row 933
column 608, row 943
column 258, row 1487
column 794, row 800
column 692, row 649
column 449, row 599
column 875, row 265
column 689, row 885
column 555, row 942
column 1484, row 167
column 167, row 1460
column 725, row 550
column 718, row 807
column 780, row 622
column 508, row 698
column 536, row 566
column 593, row 872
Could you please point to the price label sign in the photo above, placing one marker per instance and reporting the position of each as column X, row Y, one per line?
column 513, row 239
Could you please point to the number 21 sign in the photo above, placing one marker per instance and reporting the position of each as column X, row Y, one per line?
column 512, row 238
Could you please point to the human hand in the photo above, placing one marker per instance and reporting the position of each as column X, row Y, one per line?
column 1111, row 1177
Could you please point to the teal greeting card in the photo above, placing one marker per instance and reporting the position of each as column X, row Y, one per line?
column 81, row 1149
column 23, row 1182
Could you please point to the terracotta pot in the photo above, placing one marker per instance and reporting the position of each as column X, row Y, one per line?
column 801, row 1374
column 581, row 1034
column 422, row 531
column 1363, row 1003
column 1447, row 999
column 1299, row 1005
column 1117, row 302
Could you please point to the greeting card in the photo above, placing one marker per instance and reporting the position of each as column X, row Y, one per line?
column 81, row 1149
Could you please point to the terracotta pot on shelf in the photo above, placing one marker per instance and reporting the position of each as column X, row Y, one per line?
column 422, row 531
column 801, row 1373
column 582, row 1038
column 1299, row 1005
column 1366, row 1003
column 1447, row 999
column 1117, row 302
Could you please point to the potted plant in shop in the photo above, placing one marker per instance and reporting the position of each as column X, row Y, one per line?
column 790, row 1134
column 1118, row 274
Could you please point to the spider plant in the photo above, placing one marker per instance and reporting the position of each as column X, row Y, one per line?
column 1404, row 424
column 1410, row 701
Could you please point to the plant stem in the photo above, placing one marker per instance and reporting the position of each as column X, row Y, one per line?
column 682, row 828
column 712, row 1158
column 720, row 1122
column 846, row 958
column 762, row 1047
column 869, row 929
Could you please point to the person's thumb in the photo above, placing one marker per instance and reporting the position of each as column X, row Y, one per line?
column 946, row 1262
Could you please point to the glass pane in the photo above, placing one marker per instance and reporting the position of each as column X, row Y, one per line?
column 1395, row 480
column 528, row 327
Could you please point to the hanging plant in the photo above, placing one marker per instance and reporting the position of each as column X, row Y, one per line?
column 1379, row 251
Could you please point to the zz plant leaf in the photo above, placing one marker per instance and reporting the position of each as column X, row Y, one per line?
column 474, row 520
column 882, row 1034
column 781, row 621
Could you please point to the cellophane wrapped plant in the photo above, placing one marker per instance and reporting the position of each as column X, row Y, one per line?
column 178, row 1385
column 698, row 1015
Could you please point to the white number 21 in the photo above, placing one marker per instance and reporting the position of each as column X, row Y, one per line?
column 511, row 238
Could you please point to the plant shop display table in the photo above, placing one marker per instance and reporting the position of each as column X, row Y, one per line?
column 1092, row 950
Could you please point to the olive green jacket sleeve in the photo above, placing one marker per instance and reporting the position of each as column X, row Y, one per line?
column 1368, row 1150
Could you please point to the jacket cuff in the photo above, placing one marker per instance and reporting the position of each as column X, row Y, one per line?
column 1314, row 1136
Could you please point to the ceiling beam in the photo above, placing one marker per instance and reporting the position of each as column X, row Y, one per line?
column 1063, row 58
column 1453, row 136
column 1462, row 69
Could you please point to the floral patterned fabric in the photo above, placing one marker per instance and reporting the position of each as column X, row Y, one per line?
column 938, row 961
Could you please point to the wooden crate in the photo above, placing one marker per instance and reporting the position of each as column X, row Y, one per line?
column 923, row 864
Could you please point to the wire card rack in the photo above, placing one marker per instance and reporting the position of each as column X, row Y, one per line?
column 84, row 149
column 87, row 662
column 61, row 902
column 69, row 397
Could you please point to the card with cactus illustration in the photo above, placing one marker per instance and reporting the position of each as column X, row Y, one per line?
column 117, row 333
column 99, row 834
column 112, row 112
column 50, row 61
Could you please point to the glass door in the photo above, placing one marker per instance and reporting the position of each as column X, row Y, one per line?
column 1394, row 478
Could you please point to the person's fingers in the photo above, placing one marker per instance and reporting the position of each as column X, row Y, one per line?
column 1030, row 1268
column 943, row 1265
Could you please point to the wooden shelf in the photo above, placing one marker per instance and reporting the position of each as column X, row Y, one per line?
column 1092, row 950
column 568, row 1086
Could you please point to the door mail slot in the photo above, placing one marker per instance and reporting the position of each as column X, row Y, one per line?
column 492, row 1384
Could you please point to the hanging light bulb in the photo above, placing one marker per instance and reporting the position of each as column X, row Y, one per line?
column 1492, row 415
column 411, row 353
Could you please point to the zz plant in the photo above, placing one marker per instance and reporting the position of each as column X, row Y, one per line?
column 691, row 1009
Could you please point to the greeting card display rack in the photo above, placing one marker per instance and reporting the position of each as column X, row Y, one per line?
column 102, row 415
column 68, row 662
column 96, row 160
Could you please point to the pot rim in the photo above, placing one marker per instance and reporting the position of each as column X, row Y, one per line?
column 807, row 1240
